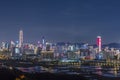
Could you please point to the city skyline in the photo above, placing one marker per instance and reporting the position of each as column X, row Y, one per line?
column 60, row 21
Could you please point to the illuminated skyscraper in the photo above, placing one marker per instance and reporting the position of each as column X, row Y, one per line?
column 43, row 40
column 99, row 43
column 43, row 43
column 20, row 38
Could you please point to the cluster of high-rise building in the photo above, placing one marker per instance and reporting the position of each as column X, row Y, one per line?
column 47, row 50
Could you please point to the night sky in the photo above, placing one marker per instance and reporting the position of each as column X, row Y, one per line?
column 60, row 20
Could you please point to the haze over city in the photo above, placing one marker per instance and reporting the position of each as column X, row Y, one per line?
column 60, row 20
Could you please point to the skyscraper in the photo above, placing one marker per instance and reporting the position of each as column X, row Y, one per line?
column 99, row 43
column 20, row 38
column 43, row 43
column 43, row 40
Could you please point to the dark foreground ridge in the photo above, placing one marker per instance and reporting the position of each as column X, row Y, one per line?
column 7, row 74
column 8, row 71
column 49, row 76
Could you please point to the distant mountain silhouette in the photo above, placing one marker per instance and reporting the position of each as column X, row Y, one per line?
column 60, row 43
column 112, row 45
column 68, row 43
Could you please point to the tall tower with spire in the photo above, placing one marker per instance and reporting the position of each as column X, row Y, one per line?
column 20, row 38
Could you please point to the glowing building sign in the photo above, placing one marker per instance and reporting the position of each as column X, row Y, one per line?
column 99, row 43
